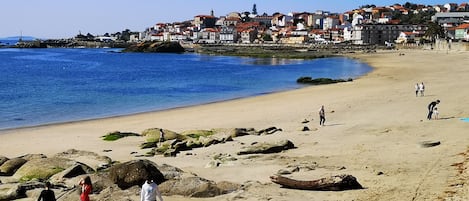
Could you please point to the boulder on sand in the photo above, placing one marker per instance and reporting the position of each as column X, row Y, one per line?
column 10, row 166
column 191, row 187
column 134, row 172
column 267, row 148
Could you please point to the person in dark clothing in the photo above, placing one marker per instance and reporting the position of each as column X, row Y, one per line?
column 430, row 108
column 47, row 194
column 322, row 116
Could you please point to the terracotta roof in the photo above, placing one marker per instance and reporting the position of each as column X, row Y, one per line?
column 463, row 26
column 205, row 16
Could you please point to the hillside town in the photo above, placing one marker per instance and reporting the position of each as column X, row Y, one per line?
column 368, row 25
column 407, row 24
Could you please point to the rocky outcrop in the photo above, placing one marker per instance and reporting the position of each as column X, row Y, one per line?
column 42, row 168
column 163, row 47
column 134, row 172
column 94, row 160
column 153, row 135
column 320, row 81
column 267, row 148
column 187, row 140
column 71, row 172
column 10, row 166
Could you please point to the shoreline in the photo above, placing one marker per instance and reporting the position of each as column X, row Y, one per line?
column 374, row 127
column 124, row 114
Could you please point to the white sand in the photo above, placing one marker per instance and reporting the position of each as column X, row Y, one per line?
column 374, row 124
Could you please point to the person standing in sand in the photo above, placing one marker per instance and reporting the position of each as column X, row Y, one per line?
column 435, row 113
column 417, row 89
column 150, row 191
column 322, row 116
column 421, row 89
column 431, row 106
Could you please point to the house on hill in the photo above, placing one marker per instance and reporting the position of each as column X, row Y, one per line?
column 462, row 32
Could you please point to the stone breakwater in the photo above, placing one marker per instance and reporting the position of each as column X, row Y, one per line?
column 291, row 51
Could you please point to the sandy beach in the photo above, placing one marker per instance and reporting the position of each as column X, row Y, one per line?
column 373, row 131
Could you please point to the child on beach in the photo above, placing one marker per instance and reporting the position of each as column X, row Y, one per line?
column 435, row 113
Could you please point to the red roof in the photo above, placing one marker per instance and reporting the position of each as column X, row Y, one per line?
column 205, row 16
column 463, row 26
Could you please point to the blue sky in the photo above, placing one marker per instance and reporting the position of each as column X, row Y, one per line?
column 65, row 18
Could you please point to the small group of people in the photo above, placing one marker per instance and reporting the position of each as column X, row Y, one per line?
column 149, row 192
column 419, row 88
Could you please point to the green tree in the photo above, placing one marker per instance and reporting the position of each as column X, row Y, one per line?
column 125, row 35
column 434, row 31
column 267, row 37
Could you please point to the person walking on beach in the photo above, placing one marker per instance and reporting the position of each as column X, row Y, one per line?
column 421, row 89
column 150, row 191
column 322, row 116
column 417, row 89
column 161, row 140
column 86, row 188
column 431, row 106
column 47, row 194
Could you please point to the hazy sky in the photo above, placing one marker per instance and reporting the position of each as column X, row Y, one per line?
column 66, row 18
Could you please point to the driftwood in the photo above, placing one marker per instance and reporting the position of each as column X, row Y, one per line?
column 333, row 183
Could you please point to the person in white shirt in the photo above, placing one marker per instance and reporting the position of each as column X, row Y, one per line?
column 417, row 89
column 435, row 113
column 421, row 89
column 150, row 191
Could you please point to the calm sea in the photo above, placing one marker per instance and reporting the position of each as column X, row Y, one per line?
column 43, row 86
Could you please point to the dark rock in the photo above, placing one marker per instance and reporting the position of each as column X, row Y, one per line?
column 3, row 159
column 320, row 81
column 266, row 148
column 426, row 144
column 11, row 166
column 134, row 172
column 147, row 145
column 237, row 132
column 112, row 136
column 332, row 183
column 170, row 47
column 269, row 130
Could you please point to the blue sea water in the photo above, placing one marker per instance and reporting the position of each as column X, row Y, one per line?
column 43, row 86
